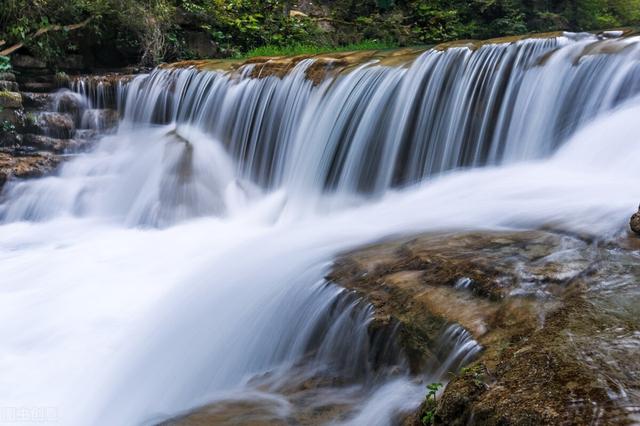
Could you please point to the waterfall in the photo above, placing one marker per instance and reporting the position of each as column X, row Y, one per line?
column 378, row 126
column 357, row 134
column 182, row 261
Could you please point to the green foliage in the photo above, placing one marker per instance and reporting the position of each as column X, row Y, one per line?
column 312, row 49
column 475, row 372
column 440, row 20
column 239, row 26
column 7, row 127
column 429, row 411
column 5, row 64
column 30, row 119
column 151, row 31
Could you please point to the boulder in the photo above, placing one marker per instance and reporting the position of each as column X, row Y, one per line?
column 69, row 102
column 12, row 116
column 62, row 79
column 26, row 61
column 99, row 119
column 201, row 44
column 7, row 76
column 10, row 139
column 26, row 165
column 11, row 86
column 36, row 100
column 57, row 146
column 634, row 223
column 40, row 87
column 545, row 307
column 10, row 100
column 52, row 124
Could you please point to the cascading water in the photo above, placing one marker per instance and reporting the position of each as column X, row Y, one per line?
column 181, row 261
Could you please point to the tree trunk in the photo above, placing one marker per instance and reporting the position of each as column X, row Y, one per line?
column 10, row 50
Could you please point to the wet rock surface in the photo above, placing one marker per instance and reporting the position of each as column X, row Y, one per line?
column 54, row 145
column 10, row 99
column 43, row 123
column 328, row 64
column 26, row 164
column 634, row 223
column 52, row 124
column 36, row 100
column 323, row 65
column 557, row 317
column 9, row 86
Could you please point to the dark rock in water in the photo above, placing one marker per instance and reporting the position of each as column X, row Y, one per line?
column 10, row 139
column 634, row 223
column 12, row 116
column 36, row 100
column 99, row 119
column 52, row 124
column 70, row 102
column 10, row 86
column 10, row 99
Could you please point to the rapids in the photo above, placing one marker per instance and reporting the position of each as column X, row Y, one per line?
column 182, row 260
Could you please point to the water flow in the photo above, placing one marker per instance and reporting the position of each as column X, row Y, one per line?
column 248, row 188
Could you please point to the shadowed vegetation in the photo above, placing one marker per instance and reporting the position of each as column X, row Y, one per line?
column 117, row 32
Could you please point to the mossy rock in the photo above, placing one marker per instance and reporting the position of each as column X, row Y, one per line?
column 11, row 100
column 558, row 344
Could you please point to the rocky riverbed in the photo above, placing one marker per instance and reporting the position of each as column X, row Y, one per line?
column 556, row 315
column 42, row 123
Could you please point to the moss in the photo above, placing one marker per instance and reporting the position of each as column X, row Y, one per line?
column 11, row 100
column 324, row 65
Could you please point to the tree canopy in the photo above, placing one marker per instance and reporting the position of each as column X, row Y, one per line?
column 150, row 31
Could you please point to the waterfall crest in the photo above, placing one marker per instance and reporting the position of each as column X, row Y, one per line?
column 377, row 127
column 356, row 134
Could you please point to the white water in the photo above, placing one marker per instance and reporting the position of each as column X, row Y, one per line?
column 103, row 321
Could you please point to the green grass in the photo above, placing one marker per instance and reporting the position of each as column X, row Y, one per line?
column 311, row 49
